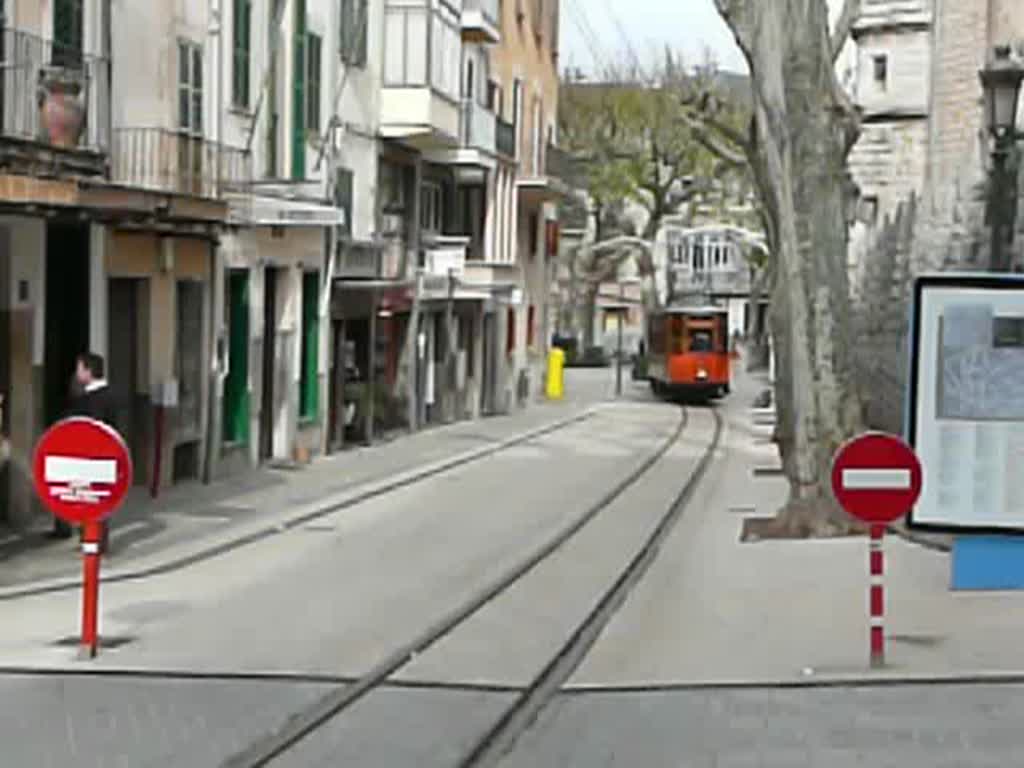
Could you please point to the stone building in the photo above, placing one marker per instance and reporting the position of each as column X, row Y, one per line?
column 944, row 226
column 888, row 72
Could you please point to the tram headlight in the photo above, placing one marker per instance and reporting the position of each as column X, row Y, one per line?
column 702, row 374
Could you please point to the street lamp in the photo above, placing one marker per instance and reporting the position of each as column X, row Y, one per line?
column 1001, row 81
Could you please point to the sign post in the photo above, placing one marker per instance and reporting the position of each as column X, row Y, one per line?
column 82, row 471
column 877, row 479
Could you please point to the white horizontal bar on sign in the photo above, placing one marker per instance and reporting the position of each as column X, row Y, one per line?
column 876, row 479
column 68, row 469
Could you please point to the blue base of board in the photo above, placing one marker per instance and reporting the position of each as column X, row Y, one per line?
column 988, row 562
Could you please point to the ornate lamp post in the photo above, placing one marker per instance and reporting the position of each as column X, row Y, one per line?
column 1001, row 81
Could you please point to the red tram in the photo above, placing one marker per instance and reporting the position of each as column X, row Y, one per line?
column 688, row 352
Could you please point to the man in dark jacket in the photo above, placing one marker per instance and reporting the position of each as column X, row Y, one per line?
column 93, row 400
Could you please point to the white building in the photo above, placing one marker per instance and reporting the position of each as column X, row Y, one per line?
column 709, row 263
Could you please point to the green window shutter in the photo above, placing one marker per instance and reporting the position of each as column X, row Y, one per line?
column 242, row 30
column 309, row 379
column 313, row 45
column 299, row 95
column 68, row 23
column 236, row 386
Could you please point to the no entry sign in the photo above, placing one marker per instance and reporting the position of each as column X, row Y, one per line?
column 81, row 470
column 876, row 477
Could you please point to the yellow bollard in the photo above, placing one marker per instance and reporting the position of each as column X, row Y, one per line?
column 556, row 374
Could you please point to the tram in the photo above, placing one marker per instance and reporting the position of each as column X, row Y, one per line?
column 688, row 352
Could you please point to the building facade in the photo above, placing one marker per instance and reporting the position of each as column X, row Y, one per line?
column 287, row 224
column 889, row 81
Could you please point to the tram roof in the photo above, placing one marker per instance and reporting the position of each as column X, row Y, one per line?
column 695, row 310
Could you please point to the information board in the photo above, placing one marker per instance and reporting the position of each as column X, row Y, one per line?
column 965, row 412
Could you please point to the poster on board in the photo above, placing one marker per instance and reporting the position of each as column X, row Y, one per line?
column 965, row 406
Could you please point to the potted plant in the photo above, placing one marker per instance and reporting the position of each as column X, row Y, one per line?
column 62, row 105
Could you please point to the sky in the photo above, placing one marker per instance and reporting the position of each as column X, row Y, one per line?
column 600, row 29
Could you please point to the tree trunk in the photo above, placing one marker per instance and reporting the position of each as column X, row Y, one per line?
column 803, row 133
column 589, row 315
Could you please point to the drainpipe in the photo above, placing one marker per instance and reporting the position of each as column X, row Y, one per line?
column 107, row 44
column 217, row 32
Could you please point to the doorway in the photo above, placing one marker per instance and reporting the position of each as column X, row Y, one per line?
column 267, row 411
column 67, row 312
column 128, row 299
column 487, row 368
column 236, row 385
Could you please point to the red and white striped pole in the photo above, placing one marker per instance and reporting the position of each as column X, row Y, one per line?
column 876, row 597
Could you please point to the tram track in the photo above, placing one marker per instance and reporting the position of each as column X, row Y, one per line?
column 530, row 700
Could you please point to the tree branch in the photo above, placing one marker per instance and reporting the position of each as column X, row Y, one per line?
column 844, row 26
column 736, row 157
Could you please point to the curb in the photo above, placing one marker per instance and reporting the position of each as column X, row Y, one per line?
column 158, row 564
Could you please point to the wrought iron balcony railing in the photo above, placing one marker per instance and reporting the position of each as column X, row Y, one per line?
column 53, row 95
column 170, row 161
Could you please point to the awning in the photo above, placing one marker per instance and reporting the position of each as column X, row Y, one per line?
column 267, row 211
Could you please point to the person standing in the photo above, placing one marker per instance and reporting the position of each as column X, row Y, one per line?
column 93, row 400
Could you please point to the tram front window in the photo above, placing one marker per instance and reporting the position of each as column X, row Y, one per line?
column 700, row 341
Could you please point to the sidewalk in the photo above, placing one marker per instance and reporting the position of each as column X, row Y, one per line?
column 796, row 611
column 192, row 515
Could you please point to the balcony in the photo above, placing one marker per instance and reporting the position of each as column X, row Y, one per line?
column 163, row 160
column 547, row 176
column 54, row 107
column 559, row 164
column 481, row 21
column 505, row 138
column 443, row 262
column 380, row 260
column 479, row 127
column 419, row 102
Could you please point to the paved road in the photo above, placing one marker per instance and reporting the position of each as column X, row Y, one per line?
column 334, row 597
column 145, row 527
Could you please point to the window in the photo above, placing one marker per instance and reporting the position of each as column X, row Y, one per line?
column 313, row 70
column 190, row 87
column 533, row 223
column 299, row 93
column 241, row 46
column 352, row 35
column 698, row 257
column 189, row 358
column 343, row 189
column 431, row 213
column 531, row 320
column 517, row 114
column 68, row 23
column 391, row 186
column 236, row 385
column 881, row 69
column 510, row 339
column 494, row 97
column 869, row 210
column 468, row 89
column 309, row 378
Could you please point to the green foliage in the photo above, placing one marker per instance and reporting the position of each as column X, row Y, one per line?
column 634, row 143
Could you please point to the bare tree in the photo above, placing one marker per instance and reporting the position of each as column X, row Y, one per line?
column 802, row 129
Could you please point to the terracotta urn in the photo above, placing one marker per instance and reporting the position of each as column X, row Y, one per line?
column 62, row 109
